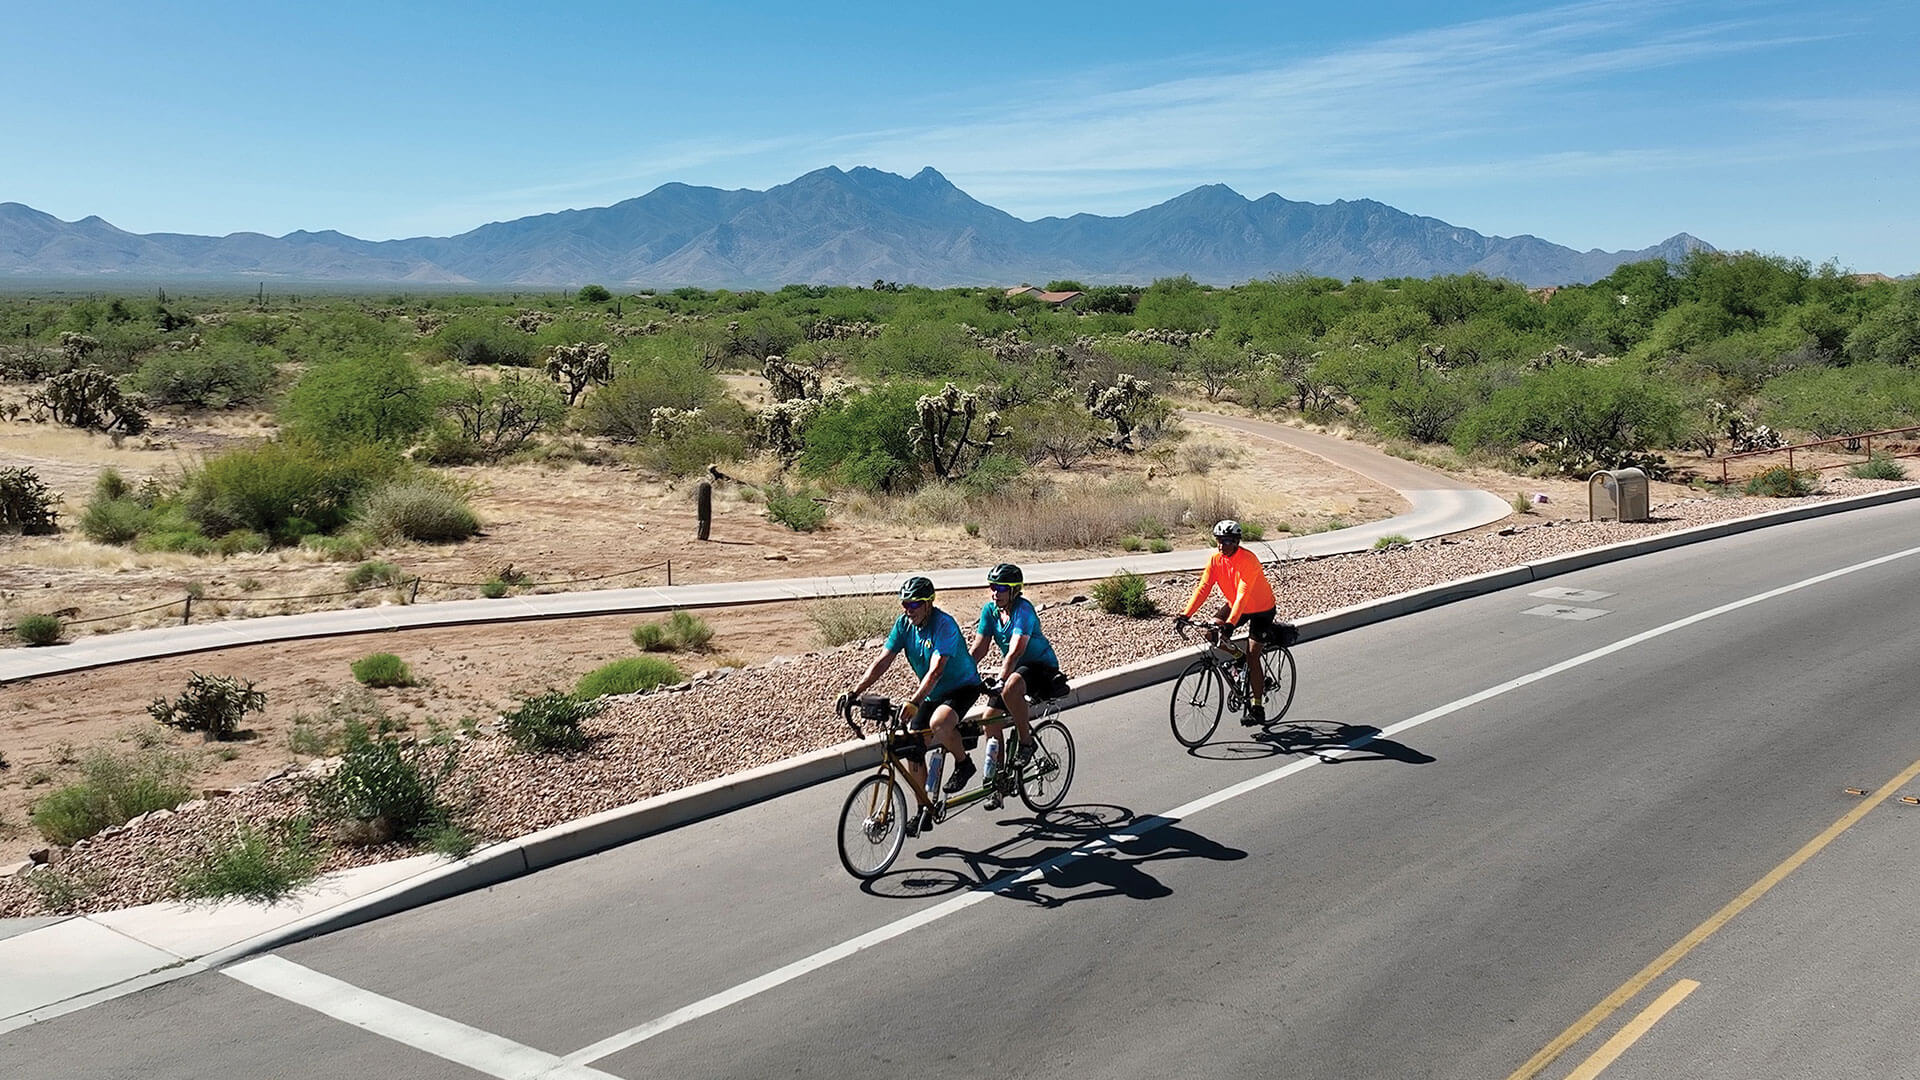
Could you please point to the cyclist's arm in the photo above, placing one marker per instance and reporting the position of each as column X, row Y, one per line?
column 981, row 643
column 1016, row 650
column 1200, row 591
column 929, row 680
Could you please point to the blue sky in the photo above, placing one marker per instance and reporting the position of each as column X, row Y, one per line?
column 1789, row 128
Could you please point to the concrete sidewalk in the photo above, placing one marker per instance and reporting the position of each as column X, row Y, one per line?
column 53, row 966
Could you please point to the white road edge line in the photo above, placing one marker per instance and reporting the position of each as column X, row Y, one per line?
column 456, row 1042
column 632, row 1036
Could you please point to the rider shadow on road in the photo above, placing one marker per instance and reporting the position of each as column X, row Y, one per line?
column 1331, row 742
column 1066, row 874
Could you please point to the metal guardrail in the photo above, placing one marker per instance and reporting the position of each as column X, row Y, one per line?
column 1861, row 443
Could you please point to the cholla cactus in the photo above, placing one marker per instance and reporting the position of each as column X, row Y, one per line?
column 90, row 398
column 77, row 347
column 580, row 365
column 668, row 424
column 1127, row 404
column 943, row 432
column 789, row 381
column 1179, row 339
column 835, row 330
column 530, row 320
column 781, row 423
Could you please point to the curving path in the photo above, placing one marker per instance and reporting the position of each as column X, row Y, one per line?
column 1440, row 505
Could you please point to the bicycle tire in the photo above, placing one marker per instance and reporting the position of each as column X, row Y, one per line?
column 873, row 827
column 1199, row 696
column 1048, row 771
column 1282, row 680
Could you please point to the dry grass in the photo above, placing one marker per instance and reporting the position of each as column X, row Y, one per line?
column 1100, row 517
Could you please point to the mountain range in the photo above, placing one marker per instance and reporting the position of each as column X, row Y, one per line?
column 833, row 227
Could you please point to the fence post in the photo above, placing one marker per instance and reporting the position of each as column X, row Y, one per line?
column 186, row 614
column 414, row 593
column 704, row 500
column 669, row 573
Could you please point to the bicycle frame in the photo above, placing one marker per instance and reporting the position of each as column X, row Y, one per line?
column 898, row 736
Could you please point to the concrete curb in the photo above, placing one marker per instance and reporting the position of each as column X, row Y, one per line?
column 585, row 836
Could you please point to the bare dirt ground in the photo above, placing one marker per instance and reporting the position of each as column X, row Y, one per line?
column 549, row 521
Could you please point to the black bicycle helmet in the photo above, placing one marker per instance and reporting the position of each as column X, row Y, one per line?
column 1005, row 574
column 1227, row 529
column 917, row 588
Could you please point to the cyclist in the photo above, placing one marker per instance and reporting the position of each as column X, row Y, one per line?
column 949, row 685
column 1026, row 658
column 1241, row 580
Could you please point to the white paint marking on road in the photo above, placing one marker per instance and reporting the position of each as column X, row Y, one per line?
column 1561, row 611
column 754, row 987
column 1571, row 596
column 456, row 1042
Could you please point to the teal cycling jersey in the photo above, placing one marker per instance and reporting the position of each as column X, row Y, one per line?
column 940, row 637
column 1022, row 619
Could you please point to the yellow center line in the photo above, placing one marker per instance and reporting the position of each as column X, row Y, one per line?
column 1635, row 1028
column 1632, row 987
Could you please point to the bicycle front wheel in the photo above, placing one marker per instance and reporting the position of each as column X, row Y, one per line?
column 1277, row 663
column 1048, row 771
column 1198, row 696
column 873, row 827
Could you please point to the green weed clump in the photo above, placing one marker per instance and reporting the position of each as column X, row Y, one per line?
column 797, row 510
column 682, row 631
column 841, row 619
column 258, row 864
column 549, row 722
column 1387, row 543
column 1879, row 467
column 381, row 783
column 628, row 676
column 416, row 509
column 375, row 573
column 112, row 790
column 1781, row 482
column 382, row 670
column 1125, row 593
column 38, row 629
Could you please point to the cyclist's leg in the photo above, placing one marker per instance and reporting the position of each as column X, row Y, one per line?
column 1015, row 695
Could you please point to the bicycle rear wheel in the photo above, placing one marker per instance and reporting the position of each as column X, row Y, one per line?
column 873, row 827
column 1277, row 663
column 1198, row 697
column 1048, row 771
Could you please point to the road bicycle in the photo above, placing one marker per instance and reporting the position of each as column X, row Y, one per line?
column 873, row 822
column 1216, row 682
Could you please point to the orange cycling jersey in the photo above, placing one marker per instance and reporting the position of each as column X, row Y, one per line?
column 1241, row 580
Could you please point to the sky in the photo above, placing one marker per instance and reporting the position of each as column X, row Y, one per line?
column 1787, row 128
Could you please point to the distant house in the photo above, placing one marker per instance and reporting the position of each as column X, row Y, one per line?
column 1871, row 279
column 1067, row 299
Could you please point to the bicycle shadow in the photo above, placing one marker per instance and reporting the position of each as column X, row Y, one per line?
column 1070, row 855
column 1332, row 742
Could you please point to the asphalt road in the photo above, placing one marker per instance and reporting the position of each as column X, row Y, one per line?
column 1625, row 834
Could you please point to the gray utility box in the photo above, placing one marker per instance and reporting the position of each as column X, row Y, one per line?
column 1617, row 495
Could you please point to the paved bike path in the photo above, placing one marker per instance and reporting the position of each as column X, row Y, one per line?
column 1439, row 505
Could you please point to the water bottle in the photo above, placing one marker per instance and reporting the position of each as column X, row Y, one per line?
column 936, row 759
column 993, row 759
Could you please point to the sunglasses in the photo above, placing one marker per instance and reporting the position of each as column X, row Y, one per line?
column 1001, row 588
column 913, row 605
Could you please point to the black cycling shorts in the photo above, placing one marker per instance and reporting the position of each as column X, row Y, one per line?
column 960, row 698
column 1259, row 624
column 1038, row 677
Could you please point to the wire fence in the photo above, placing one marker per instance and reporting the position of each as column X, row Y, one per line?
column 410, row 583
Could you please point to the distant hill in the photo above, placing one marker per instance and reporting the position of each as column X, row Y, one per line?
column 834, row 227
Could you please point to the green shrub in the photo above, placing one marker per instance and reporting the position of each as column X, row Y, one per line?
column 417, row 509
column 217, row 376
column 549, row 722
column 493, row 588
column 378, row 779
column 631, row 675
column 37, row 629
column 1252, row 531
column 281, row 489
column 1781, row 482
column 187, row 541
column 1159, row 545
column 347, row 547
column 841, row 619
column 382, row 670
column 652, row 637
column 797, row 510
column 1125, row 593
column 1393, row 541
column 26, row 503
column 113, row 521
column 593, row 294
column 1132, row 543
column 241, row 541
column 258, row 864
column 359, row 399
column 479, row 340
column 112, row 790
column 214, row 704
column 375, row 573
column 689, row 631
column 1879, row 467
column 61, row 891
